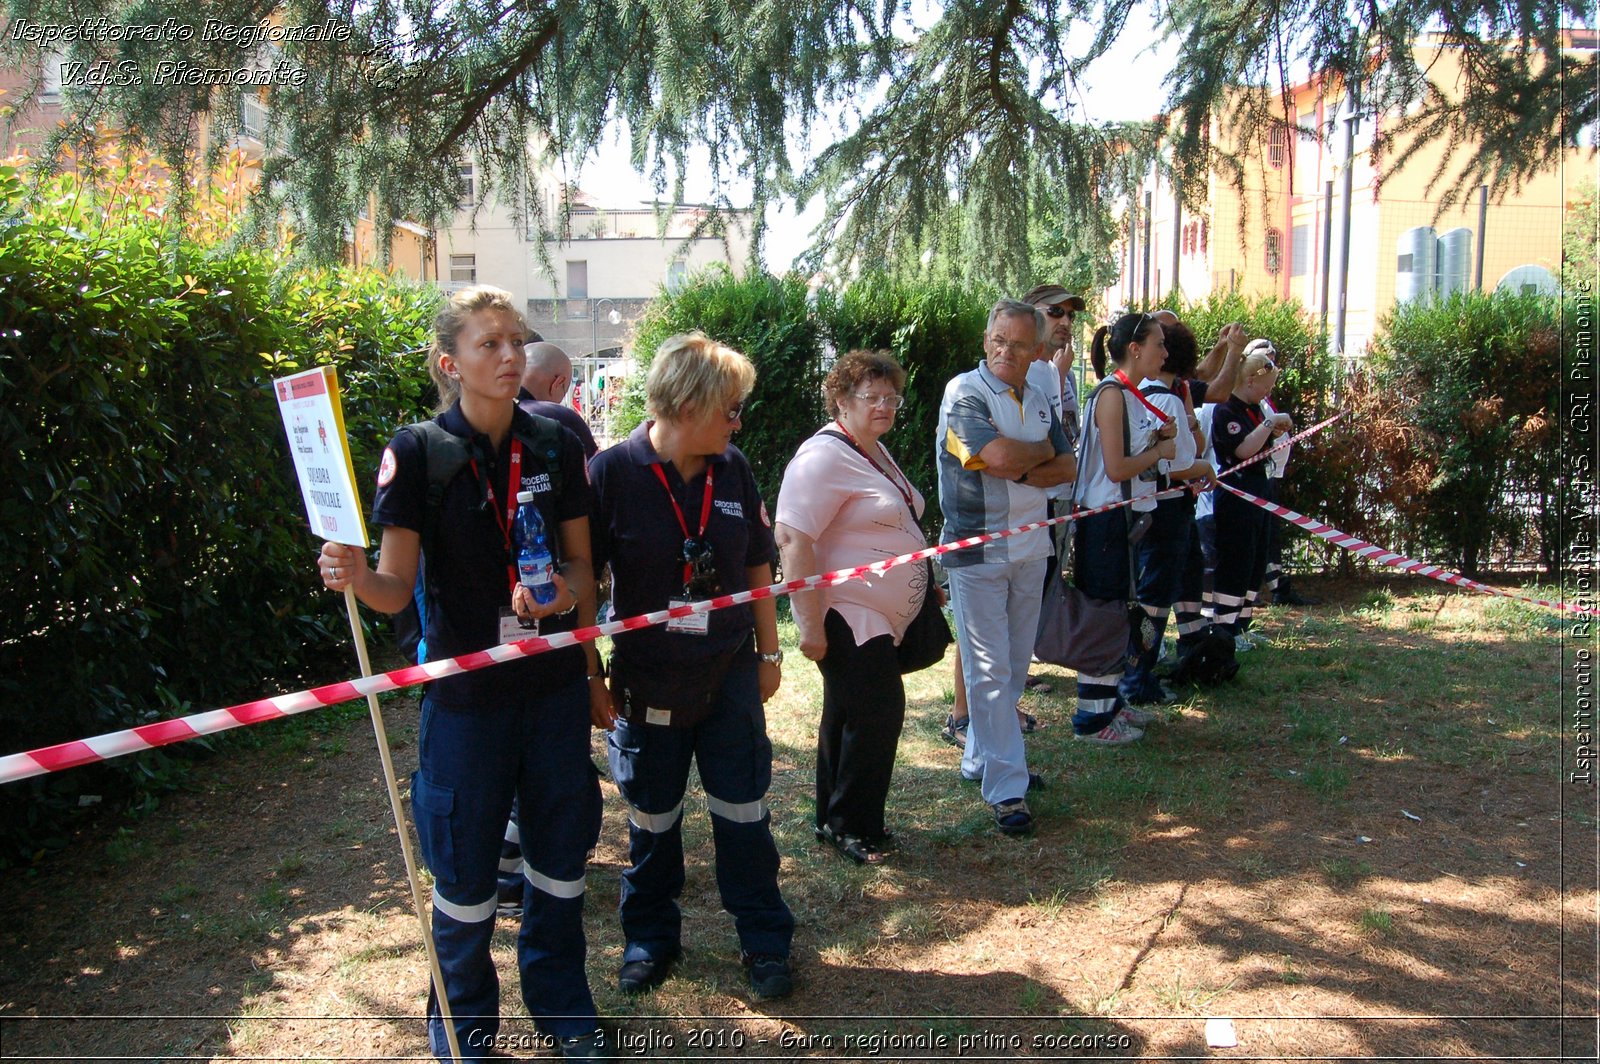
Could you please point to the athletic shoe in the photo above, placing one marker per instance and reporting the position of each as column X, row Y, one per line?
column 770, row 976
column 1139, row 718
column 1117, row 733
column 955, row 731
column 1260, row 639
column 1242, row 644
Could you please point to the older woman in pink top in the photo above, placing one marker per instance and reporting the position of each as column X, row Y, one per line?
column 844, row 502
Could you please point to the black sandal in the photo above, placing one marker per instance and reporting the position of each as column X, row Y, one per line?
column 853, row 847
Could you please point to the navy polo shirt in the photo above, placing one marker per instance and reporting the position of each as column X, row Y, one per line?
column 569, row 418
column 1231, row 422
column 636, row 530
column 469, row 561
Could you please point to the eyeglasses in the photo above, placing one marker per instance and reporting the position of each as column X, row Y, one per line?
column 1012, row 346
column 891, row 400
column 736, row 412
column 1056, row 311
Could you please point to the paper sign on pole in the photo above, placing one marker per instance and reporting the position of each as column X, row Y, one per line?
column 314, row 420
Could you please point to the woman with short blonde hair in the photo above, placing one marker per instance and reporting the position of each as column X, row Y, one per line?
column 679, row 519
column 692, row 374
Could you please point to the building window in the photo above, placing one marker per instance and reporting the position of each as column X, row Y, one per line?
column 677, row 273
column 1299, row 250
column 578, row 279
column 252, row 115
column 1205, row 235
column 50, row 89
column 467, row 195
column 1274, row 252
column 1277, row 145
column 464, row 269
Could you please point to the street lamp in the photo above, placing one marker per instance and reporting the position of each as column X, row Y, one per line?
column 615, row 318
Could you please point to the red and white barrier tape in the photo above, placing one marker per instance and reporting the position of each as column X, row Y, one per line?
column 1398, row 561
column 148, row 736
column 62, row 756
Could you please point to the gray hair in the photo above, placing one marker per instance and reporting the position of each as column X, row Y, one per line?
column 1012, row 308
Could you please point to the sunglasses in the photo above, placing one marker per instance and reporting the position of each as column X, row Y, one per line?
column 1057, row 311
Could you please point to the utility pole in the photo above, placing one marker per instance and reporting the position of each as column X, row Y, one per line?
column 1353, row 97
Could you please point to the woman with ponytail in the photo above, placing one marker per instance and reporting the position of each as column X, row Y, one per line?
column 1124, row 439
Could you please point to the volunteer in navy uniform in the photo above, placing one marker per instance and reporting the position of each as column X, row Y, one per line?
column 1239, row 430
column 679, row 519
column 519, row 729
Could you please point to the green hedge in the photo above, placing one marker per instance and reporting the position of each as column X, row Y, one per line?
column 767, row 319
column 159, row 553
column 935, row 331
column 1477, row 377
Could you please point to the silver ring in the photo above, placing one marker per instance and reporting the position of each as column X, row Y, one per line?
column 334, row 572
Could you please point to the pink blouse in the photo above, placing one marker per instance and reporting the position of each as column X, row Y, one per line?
column 856, row 516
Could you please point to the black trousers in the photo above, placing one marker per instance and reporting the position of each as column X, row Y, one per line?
column 863, row 709
column 1241, row 552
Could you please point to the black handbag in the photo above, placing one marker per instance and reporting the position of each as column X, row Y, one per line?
column 1097, row 637
column 928, row 637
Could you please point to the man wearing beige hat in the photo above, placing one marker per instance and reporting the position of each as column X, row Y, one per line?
column 1060, row 308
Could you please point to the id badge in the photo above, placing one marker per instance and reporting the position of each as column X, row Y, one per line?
column 692, row 624
column 514, row 629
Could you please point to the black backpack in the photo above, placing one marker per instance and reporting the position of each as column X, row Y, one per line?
column 1209, row 661
column 444, row 455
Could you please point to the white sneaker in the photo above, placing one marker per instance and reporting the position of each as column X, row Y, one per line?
column 1117, row 733
column 1139, row 718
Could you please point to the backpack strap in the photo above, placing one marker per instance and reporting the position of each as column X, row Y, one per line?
column 445, row 455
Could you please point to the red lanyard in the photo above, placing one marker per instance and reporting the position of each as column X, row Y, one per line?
column 1137, row 394
column 905, row 491
column 705, row 512
column 1254, row 416
column 513, row 482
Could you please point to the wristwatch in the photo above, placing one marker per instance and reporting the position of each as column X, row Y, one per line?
column 774, row 658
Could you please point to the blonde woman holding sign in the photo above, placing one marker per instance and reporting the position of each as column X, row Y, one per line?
column 447, row 497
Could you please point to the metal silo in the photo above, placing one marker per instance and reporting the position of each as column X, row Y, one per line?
column 1416, row 265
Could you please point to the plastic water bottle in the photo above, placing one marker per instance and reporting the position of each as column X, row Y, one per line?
column 535, row 566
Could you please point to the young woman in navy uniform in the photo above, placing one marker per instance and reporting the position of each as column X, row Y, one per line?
column 519, row 729
column 679, row 519
column 1239, row 430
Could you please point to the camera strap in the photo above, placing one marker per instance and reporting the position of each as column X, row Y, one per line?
column 705, row 512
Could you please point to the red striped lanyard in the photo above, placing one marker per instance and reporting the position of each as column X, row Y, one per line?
column 705, row 513
column 905, row 491
column 1137, row 394
column 513, row 482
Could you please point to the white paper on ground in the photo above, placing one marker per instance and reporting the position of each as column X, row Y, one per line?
column 1220, row 1034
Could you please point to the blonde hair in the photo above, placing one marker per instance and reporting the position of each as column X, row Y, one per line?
column 692, row 374
column 1251, row 367
column 447, row 326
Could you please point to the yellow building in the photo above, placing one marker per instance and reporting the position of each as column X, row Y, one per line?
column 1281, row 232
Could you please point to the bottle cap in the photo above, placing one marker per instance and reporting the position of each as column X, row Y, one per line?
column 524, row 496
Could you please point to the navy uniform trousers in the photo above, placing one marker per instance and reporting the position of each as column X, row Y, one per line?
column 650, row 764
column 471, row 764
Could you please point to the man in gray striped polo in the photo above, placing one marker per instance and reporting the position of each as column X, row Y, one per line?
column 999, row 445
